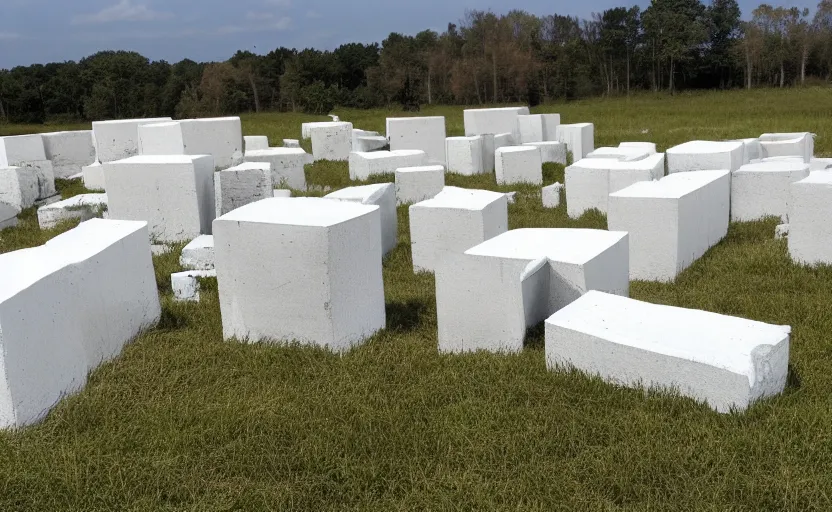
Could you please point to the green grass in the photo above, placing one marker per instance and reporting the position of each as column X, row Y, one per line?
column 186, row 421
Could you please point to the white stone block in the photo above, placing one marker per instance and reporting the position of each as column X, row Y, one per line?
column 364, row 165
column 502, row 140
column 550, row 127
column 185, row 285
column 518, row 164
column 672, row 222
column 725, row 361
column 423, row 133
column 382, row 195
column 69, row 152
column 481, row 121
column 66, row 307
column 83, row 207
column 18, row 187
column 332, row 141
column 452, row 222
column 301, row 269
column 550, row 151
column 489, row 296
column 8, row 215
column 117, row 140
column 579, row 139
column 287, row 165
column 751, row 149
column 306, row 128
column 242, row 184
column 762, row 189
column 551, row 195
column 278, row 192
column 800, row 144
column 415, row 184
column 647, row 147
column 290, row 143
column 465, row 155
column 28, row 153
column 530, row 128
column 251, row 142
column 93, row 176
column 628, row 153
column 590, row 181
column 368, row 143
column 198, row 254
column 810, row 208
column 700, row 155
column 44, row 175
column 220, row 137
column 173, row 193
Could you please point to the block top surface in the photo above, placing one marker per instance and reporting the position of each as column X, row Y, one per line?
column 361, row 192
column 163, row 124
column 705, row 147
column 673, row 186
column 466, row 138
column 498, row 109
column 381, row 155
column 421, row 168
column 298, row 211
column 264, row 153
column 576, row 125
column 816, row 178
column 614, row 164
column 565, row 245
column 79, row 200
column 516, row 149
column 415, row 118
column 710, row 338
column 462, row 199
column 783, row 137
column 159, row 159
column 786, row 165
column 250, row 166
column 150, row 120
column 200, row 242
column 540, row 143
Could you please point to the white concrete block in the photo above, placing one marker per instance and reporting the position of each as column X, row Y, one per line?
column 69, row 152
column 306, row 128
column 251, row 142
column 44, row 175
column 502, row 140
column 66, row 307
column 415, row 184
column 530, row 128
column 220, row 137
column 8, row 215
column 590, row 181
column 332, row 141
column 27, row 152
column 700, row 155
column 725, row 361
column 242, row 184
column 551, row 195
column 368, row 143
column 800, row 144
column 423, row 133
column 83, row 207
column 647, row 147
column 810, row 208
column 93, row 176
column 290, row 143
column 301, row 269
column 278, row 192
column 626, row 153
column 672, row 222
column 465, row 155
column 550, row 127
column 287, row 165
column 185, row 285
column 364, row 165
column 452, row 222
column 518, row 164
column 579, row 139
column 117, row 140
column 382, row 195
column 198, row 254
column 173, row 193
column 18, row 187
column 762, row 189
column 550, row 151
column 489, row 296
column 481, row 121
column 751, row 149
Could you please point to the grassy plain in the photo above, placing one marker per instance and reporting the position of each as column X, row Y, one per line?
column 186, row 421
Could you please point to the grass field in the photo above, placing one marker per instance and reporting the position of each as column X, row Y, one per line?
column 186, row 421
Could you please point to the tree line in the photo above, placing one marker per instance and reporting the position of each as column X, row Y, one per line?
column 485, row 58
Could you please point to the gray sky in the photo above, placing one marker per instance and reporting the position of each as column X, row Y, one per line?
column 41, row 31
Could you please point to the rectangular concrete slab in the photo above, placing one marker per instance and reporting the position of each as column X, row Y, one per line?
column 518, row 164
column 465, row 155
column 331, row 141
column 415, row 184
column 481, row 121
column 763, row 189
column 287, row 165
column 423, row 133
column 700, row 155
column 219, row 137
column 119, row 139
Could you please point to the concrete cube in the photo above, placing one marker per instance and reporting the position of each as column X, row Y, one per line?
column 185, row 285
column 800, row 144
column 8, row 215
column 762, row 189
column 579, row 139
column 364, row 165
column 518, row 164
column 287, row 165
column 530, row 128
column 18, row 187
column 551, row 122
column 465, row 155
column 117, row 140
column 173, row 193
column 66, row 307
column 44, row 175
column 83, row 207
column 251, row 142
column 725, row 361
column 489, row 296
column 382, row 195
column 93, row 176
column 551, row 195
column 243, row 184
column 700, row 155
column 368, row 143
column 672, row 222
column 302, row 269
column 452, row 222
column 550, row 151
column 810, row 208
column 590, row 181
column 27, row 152
column 306, row 128
column 198, row 254
column 220, row 137
column 290, row 143
column 752, row 150
column 424, row 133
column 481, row 121
column 415, row 184
column 332, row 141
column 69, row 152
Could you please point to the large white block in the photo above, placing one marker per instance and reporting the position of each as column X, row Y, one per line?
column 117, row 140
column 301, row 269
column 465, row 155
column 700, row 155
column 489, row 296
column 590, row 181
column 363, row 165
column 810, row 208
column 762, row 189
column 481, row 121
column 725, row 361
column 382, row 195
column 550, row 127
column 173, row 193
column 69, row 152
column 185, row 285
column 800, row 144
column 83, row 207
column 220, row 137
column 518, row 164
column 530, row 128
column 242, row 184
column 579, row 138
column 8, row 215
column 415, row 184
column 424, row 133
column 93, row 176
column 198, row 254
column 306, row 128
column 331, row 141
column 452, row 222
column 18, row 187
column 287, row 165
column 672, row 222
column 67, row 306
column 751, row 149
column 251, row 142
column 44, row 175
column 550, row 151
column 27, row 152
column 550, row 195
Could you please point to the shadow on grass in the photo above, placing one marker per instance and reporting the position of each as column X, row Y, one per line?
column 406, row 316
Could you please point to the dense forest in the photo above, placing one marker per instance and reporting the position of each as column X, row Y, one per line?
column 485, row 58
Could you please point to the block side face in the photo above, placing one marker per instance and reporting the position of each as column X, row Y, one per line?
column 161, row 139
column 206, row 200
column 69, row 152
column 234, row 189
column 809, row 211
column 437, row 232
column 494, row 219
column 332, row 143
column 117, row 140
column 755, row 195
column 287, row 167
column 414, row 187
column 464, row 156
column 424, row 133
column 519, row 166
column 586, row 189
column 653, row 225
column 222, row 138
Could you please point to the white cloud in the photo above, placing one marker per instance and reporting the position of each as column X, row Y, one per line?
column 125, row 10
column 279, row 3
column 8, row 36
column 272, row 26
column 313, row 15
